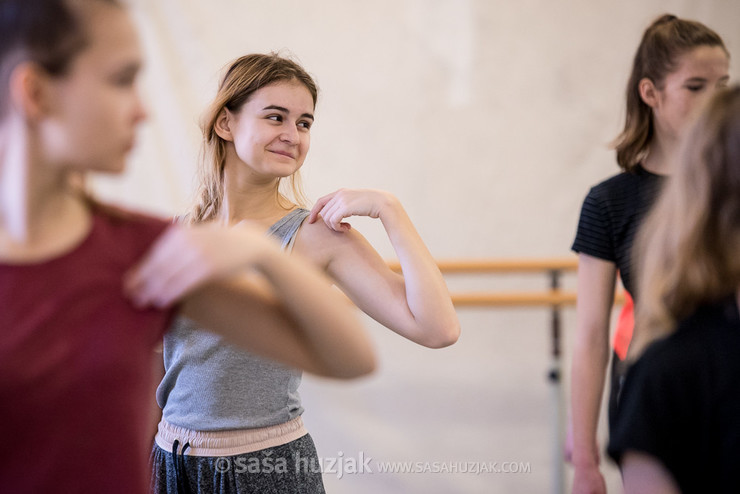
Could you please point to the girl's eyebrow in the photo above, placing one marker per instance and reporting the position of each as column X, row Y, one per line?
column 285, row 110
column 702, row 79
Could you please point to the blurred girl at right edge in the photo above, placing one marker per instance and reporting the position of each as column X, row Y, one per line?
column 678, row 429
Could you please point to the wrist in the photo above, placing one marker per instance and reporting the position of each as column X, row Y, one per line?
column 586, row 459
column 585, row 464
column 390, row 207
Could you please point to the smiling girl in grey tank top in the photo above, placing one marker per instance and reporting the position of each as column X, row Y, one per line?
column 210, row 385
column 223, row 407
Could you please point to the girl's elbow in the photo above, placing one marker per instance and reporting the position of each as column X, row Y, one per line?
column 450, row 338
column 367, row 366
column 444, row 338
column 361, row 366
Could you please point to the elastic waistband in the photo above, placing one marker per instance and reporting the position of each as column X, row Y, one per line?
column 229, row 443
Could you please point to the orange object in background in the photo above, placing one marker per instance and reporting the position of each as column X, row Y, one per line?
column 625, row 327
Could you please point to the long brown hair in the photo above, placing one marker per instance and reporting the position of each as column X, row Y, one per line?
column 244, row 76
column 663, row 42
column 688, row 247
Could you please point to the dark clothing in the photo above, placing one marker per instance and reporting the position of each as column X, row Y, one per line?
column 681, row 403
column 610, row 219
column 293, row 468
column 611, row 216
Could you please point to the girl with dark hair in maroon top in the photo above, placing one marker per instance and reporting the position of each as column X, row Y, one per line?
column 86, row 291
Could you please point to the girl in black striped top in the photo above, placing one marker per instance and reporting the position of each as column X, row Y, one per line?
column 678, row 65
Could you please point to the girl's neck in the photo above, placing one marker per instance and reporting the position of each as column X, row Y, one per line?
column 661, row 157
column 40, row 214
column 247, row 198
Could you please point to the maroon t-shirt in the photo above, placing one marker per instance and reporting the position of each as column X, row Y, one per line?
column 76, row 365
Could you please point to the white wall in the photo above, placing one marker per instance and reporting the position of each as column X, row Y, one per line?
column 489, row 119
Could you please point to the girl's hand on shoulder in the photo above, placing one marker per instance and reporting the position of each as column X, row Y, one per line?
column 184, row 258
column 335, row 207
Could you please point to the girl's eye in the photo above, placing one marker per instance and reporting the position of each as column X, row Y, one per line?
column 305, row 124
column 276, row 118
column 124, row 76
column 126, row 79
column 694, row 89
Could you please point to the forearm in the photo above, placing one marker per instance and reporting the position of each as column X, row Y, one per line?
column 590, row 359
column 427, row 296
column 596, row 280
column 329, row 326
column 288, row 312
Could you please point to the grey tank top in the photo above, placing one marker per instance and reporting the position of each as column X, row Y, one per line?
column 210, row 385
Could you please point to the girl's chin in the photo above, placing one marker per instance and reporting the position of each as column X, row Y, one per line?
column 280, row 171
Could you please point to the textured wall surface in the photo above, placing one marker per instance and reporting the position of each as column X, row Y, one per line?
column 490, row 120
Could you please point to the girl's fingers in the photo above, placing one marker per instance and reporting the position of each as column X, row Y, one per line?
column 346, row 202
column 173, row 281
column 181, row 261
column 146, row 268
column 333, row 215
column 176, row 286
column 171, row 256
column 152, row 284
column 316, row 209
column 313, row 215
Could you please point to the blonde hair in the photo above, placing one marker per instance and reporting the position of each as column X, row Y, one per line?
column 243, row 77
column 687, row 250
column 663, row 42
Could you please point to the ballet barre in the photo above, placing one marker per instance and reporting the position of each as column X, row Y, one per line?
column 554, row 267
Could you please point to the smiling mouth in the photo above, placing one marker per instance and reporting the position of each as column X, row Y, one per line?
column 283, row 153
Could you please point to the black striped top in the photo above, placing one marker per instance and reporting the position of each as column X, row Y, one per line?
column 611, row 215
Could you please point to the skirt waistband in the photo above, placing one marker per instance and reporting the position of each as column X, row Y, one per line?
column 228, row 443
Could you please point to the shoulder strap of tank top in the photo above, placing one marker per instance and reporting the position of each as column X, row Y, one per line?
column 285, row 228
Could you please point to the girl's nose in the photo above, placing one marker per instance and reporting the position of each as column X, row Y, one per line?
column 289, row 134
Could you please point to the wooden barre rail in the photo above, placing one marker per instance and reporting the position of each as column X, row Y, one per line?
column 544, row 298
column 501, row 265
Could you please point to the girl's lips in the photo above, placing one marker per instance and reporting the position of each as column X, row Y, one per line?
column 283, row 153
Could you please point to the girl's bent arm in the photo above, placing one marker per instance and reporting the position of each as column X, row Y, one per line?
column 282, row 309
column 416, row 304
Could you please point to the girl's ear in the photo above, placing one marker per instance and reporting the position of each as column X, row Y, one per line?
column 223, row 125
column 648, row 92
column 30, row 90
